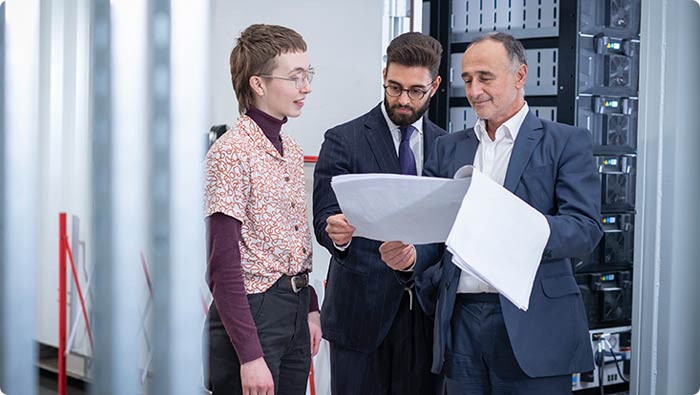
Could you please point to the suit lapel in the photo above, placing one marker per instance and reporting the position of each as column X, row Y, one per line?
column 380, row 142
column 529, row 136
column 466, row 151
column 430, row 133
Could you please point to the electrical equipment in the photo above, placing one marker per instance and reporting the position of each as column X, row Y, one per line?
column 615, row 250
column 607, row 297
column 618, row 16
column 611, row 120
column 608, row 65
column 611, row 349
column 617, row 182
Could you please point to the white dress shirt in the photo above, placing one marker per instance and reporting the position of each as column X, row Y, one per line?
column 492, row 158
column 416, row 141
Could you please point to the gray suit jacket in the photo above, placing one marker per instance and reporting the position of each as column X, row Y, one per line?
column 552, row 169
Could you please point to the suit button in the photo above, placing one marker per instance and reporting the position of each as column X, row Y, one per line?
column 447, row 285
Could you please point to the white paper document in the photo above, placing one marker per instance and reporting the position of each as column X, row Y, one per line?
column 492, row 234
column 499, row 239
column 385, row 207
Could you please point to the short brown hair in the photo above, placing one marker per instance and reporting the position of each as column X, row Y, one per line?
column 254, row 54
column 415, row 49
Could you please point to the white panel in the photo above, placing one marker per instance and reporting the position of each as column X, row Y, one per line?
column 129, row 137
column 459, row 15
column 666, row 317
column 190, row 117
column 548, row 113
column 19, row 260
column 542, row 72
column 521, row 18
column 456, row 80
column 462, row 118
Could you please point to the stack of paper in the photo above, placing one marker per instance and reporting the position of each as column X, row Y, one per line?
column 499, row 239
column 492, row 234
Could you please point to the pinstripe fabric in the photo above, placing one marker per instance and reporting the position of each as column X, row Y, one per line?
column 362, row 294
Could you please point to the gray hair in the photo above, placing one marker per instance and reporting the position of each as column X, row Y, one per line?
column 514, row 48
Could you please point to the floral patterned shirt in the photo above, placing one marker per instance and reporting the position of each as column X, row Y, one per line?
column 247, row 179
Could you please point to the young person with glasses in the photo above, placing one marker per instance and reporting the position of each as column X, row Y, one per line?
column 264, row 323
column 380, row 338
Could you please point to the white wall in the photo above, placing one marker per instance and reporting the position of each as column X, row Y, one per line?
column 64, row 160
column 344, row 41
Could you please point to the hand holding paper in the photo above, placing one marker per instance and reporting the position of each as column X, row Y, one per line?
column 397, row 255
column 339, row 230
column 492, row 234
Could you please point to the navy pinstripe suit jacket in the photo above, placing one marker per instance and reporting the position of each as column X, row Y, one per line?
column 362, row 294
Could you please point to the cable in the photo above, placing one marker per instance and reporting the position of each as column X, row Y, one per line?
column 600, row 362
column 617, row 363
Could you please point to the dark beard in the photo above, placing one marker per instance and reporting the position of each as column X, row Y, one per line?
column 405, row 120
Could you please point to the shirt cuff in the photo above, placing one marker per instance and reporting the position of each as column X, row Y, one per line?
column 313, row 300
column 410, row 268
column 343, row 247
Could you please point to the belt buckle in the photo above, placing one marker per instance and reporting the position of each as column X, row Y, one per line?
column 302, row 277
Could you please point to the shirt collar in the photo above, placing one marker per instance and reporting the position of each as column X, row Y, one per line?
column 511, row 127
column 418, row 125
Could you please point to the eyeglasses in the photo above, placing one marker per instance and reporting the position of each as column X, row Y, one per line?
column 301, row 79
column 414, row 93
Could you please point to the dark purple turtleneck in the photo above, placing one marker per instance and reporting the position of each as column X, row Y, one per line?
column 224, row 263
column 270, row 125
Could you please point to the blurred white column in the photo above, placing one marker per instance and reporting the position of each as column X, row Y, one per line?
column 120, row 99
column 189, row 116
column 20, row 196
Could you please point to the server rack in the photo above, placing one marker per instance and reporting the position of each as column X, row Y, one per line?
column 583, row 60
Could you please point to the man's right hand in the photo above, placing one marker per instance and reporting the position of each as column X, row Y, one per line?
column 339, row 230
column 256, row 378
column 397, row 255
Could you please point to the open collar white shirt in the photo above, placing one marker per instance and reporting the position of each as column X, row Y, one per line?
column 492, row 158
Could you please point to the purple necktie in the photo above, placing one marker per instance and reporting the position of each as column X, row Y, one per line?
column 407, row 161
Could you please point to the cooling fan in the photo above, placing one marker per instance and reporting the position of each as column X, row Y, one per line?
column 616, row 188
column 614, row 249
column 618, row 13
column 618, row 70
column 617, row 129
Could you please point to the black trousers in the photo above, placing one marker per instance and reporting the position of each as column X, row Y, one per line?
column 479, row 358
column 281, row 318
column 401, row 364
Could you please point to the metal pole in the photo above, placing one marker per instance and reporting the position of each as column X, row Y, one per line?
column 2, row 188
column 101, row 124
column 160, row 73
column 62, row 236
